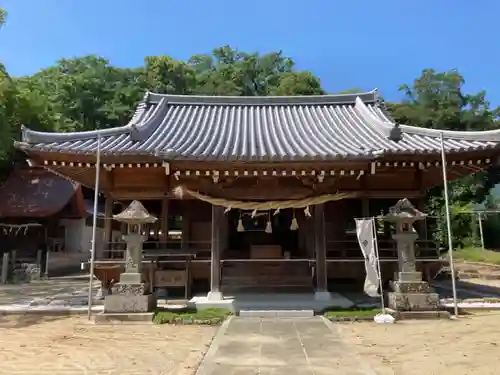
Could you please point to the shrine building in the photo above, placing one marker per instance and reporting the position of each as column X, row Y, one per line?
column 260, row 193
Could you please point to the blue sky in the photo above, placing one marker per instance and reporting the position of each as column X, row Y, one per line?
column 347, row 43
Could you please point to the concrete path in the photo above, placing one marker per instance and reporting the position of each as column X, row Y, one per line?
column 280, row 346
column 58, row 289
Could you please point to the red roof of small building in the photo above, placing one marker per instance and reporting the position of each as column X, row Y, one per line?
column 36, row 193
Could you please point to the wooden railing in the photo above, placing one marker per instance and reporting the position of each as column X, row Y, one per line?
column 199, row 251
column 159, row 251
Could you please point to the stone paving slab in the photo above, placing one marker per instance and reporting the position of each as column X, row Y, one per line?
column 290, row 346
column 53, row 288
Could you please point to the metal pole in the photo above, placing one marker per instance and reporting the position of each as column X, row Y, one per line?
column 448, row 225
column 480, row 221
column 94, row 224
column 375, row 245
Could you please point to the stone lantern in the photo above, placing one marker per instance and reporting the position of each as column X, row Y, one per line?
column 131, row 294
column 410, row 292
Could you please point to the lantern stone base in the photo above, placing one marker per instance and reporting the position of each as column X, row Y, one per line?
column 413, row 296
column 129, row 304
column 410, row 293
column 129, row 298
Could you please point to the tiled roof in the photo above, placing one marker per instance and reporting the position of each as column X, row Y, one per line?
column 259, row 129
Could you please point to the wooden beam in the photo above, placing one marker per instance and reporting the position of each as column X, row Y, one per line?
column 139, row 194
column 108, row 222
column 320, row 248
column 215, row 260
column 164, row 220
column 388, row 194
column 186, row 225
column 108, row 180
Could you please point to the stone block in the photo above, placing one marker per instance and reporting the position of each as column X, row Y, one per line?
column 137, row 289
column 129, row 303
column 19, row 276
column 408, row 276
column 413, row 315
column 413, row 301
column 130, row 278
column 412, row 287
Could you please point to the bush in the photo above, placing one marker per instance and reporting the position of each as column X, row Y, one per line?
column 476, row 254
column 191, row 316
column 351, row 312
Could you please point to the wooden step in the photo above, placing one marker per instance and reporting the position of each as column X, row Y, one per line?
column 271, row 280
column 247, row 276
column 266, row 268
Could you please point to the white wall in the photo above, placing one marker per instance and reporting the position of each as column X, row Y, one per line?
column 78, row 237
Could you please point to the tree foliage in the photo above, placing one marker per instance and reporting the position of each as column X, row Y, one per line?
column 3, row 16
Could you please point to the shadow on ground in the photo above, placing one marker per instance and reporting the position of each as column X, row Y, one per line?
column 22, row 321
column 467, row 290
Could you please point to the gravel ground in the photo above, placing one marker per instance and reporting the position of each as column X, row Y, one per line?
column 469, row 345
column 56, row 346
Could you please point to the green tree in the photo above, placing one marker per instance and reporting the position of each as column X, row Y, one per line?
column 87, row 92
column 168, row 76
column 3, row 16
column 297, row 83
column 228, row 71
column 437, row 100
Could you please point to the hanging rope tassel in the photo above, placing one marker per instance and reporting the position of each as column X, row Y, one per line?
column 295, row 224
column 240, row 227
column 269, row 226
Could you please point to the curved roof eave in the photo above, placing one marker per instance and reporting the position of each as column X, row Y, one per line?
column 388, row 125
column 33, row 136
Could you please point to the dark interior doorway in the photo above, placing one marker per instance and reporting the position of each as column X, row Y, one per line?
column 254, row 231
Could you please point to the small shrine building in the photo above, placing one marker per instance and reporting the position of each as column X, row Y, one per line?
column 258, row 193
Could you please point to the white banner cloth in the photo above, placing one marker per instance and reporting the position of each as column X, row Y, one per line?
column 366, row 239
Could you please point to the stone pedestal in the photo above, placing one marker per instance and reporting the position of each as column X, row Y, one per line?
column 214, row 296
column 121, row 303
column 410, row 293
column 322, row 296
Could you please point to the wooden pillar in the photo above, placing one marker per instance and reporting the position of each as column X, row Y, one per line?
column 421, row 224
column 320, row 252
column 224, row 234
column 309, row 237
column 5, row 268
column 164, row 222
column 365, row 207
column 186, row 225
column 108, row 224
column 39, row 257
column 13, row 259
column 215, row 263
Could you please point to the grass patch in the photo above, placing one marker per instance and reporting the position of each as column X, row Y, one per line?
column 338, row 312
column 191, row 316
column 476, row 254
